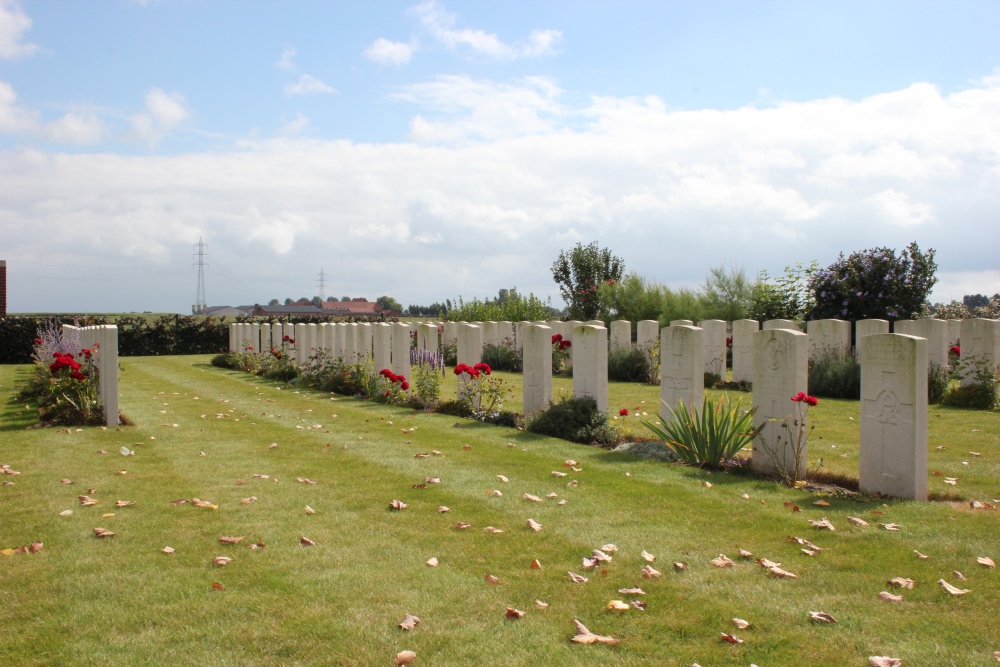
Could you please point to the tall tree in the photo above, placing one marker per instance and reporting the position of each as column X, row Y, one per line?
column 580, row 272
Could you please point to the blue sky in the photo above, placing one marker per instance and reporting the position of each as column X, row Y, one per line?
column 432, row 149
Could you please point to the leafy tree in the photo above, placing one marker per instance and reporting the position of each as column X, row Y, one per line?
column 388, row 303
column 273, row 302
column 579, row 274
column 288, row 301
column 316, row 301
column 787, row 297
column 727, row 294
column 975, row 300
column 515, row 308
column 344, row 298
column 874, row 284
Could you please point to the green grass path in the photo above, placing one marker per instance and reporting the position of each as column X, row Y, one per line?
column 120, row 601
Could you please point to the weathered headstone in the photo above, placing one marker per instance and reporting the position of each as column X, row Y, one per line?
column 590, row 367
column 954, row 332
column 682, row 323
column 519, row 334
column 363, row 346
column 233, row 336
column 340, row 340
column 893, row 453
column 780, row 371
column 312, row 340
column 255, row 337
column 743, row 333
column 450, row 333
column 427, row 338
column 980, row 347
column 621, row 335
column 864, row 328
column 265, row 337
column 682, row 367
column 791, row 325
column 537, row 377
column 828, row 337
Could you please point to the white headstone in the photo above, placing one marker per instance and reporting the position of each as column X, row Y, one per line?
column 590, row 367
column 980, row 345
column 893, row 454
column 401, row 349
column 234, row 341
column 255, row 337
column 682, row 323
column 568, row 328
column 537, row 377
column 954, row 332
column 363, row 344
column 301, row 349
column 312, row 340
column 340, row 341
column 490, row 333
column 621, row 335
column 682, row 367
column 780, row 371
column 828, row 337
column 505, row 333
column 743, row 333
column 647, row 335
column 519, row 334
column 265, row 337
column 382, row 346
column 864, row 328
column 715, row 346
column 450, row 333
column 470, row 351
column 427, row 337
column 791, row 325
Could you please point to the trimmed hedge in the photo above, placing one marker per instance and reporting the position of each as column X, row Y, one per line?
column 141, row 336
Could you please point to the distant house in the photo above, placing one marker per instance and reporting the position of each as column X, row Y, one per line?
column 357, row 307
column 297, row 310
column 227, row 311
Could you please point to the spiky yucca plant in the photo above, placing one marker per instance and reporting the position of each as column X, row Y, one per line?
column 705, row 435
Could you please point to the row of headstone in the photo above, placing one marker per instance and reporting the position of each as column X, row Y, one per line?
column 102, row 340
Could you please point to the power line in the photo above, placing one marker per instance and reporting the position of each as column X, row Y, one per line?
column 201, row 304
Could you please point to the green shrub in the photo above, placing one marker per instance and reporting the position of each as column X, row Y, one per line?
column 450, row 352
column 502, row 357
column 225, row 360
column 835, row 374
column 938, row 379
column 982, row 392
column 712, row 379
column 706, row 435
column 576, row 420
column 628, row 365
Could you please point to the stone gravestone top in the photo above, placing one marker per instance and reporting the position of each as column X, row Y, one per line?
column 682, row 367
column 780, row 371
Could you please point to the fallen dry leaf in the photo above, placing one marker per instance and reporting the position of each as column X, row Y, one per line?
column 66, row 481
column 822, row 503
column 432, row 480
column 886, row 596
column 901, row 582
column 741, row 624
column 745, row 554
column 985, row 560
column 920, row 555
column 680, row 566
column 306, row 542
column 492, row 530
column 723, row 561
column 229, row 539
column 534, row 499
column 804, row 542
column 409, row 622
column 443, row 509
column 305, row 480
column 561, row 502
column 552, row 494
column 821, row 616
column 556, row 473
column 204, row 503
column 247, row 501
column 536, row 564
column 534, row 525
column 310, row 510
column 618, row 605
column 609, row 549
column 497, row 493
column 222, row 560
column 809, row 552
column 35, row 547
column 502, row 478
column 397, row 505
column 883, row 661
column 405, row 658
column 649, row 573
column 492, row 580
column 631, row 591
column 958, row 575
column 433, row 562
column 647, row 556
column 585, row 636
column 513, row 613
column 573, row 484
column 599, row 555
column 103, row 532
column 461, row 525
column 823, row 524
column 778, row 572
column 124, row 503
column 569, row 463
column 541, row 605
column 87, row 501
column 951, row 589
column 856, row 521
column 66, row 513
column 577, row 578
column 732, row 639
column 167, row 550
column 217, row 586
column 891, row 526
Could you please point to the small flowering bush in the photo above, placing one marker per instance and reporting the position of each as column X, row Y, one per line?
column 428, row 369
column 482, row 396
column 874, row 284
column 392, row 388
column 793, row 437
column 560, row 355
column 503, row 357
column 65, row 385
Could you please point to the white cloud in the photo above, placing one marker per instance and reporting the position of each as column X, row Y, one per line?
column 441, row 23
column 163, row 113
column 295, row 126
column 953, row 285
column 306, row 84
column 14, row 118
column 387, row 52
column 76, row 127
column 518, row 170
column 287, row 59
column 13, row 24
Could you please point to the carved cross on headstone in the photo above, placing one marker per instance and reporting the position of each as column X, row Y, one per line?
column 892, row 416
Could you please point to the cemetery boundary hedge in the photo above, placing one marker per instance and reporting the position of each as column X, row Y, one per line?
column 141, row 336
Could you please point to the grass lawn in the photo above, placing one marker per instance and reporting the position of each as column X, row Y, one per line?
column 120, row 601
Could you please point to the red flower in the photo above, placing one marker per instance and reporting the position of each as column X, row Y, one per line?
column 460, row 369
column 38, row 341
column 563, row 345
column 405, row 385
column 86, row 353
column 388, row 393
column 555, row 338
column 623, row 412
column 729, row 341
column 77, row 375
column 483, row 368
column 811, row 400
column 611, row 282
column 956, row 350
column 802, row 397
